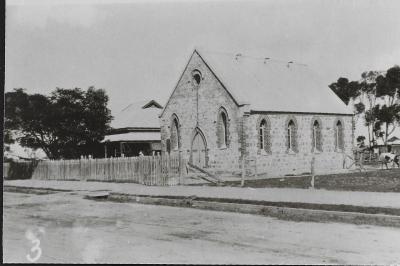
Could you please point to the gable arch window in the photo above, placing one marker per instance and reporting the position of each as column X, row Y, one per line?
column 264, row 137
column 222, row 128
column 316, row 136
column 291, row 135
column 339, row 137
column 196, row 75
column 175, row 136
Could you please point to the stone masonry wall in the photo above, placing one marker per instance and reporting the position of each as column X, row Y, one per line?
column 212, row 96
column 280, row 162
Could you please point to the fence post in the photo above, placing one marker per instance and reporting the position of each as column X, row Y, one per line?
column 169, row 169
column 362, row 160
column 312, row 171
column 162, row 170
column 180, row 167
column 80, row 169
column 62, row 166
column 159, row 172
column 47, row 170
column 108, row 168
column 243, row 172
column 255, row 167
column 141, row 170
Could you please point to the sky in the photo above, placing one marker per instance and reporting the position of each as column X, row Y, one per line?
column 138, row 49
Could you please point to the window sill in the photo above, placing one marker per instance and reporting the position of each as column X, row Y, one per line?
column 223, row 148
column 316, row 151
column 292, row 152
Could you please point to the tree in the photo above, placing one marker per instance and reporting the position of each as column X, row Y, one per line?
column 345, row 90
column 378, row 98
column 387, row 116
column 367, row 98
column 66, row 124
column 362, row 91
column 388, row 89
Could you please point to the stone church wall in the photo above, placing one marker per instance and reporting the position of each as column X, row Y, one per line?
column 212, row 96
column 280, row 162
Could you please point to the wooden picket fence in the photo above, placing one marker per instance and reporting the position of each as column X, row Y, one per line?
column 147, row 170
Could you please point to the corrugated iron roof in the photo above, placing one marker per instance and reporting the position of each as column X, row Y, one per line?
column 140, row 114
column 272, row 85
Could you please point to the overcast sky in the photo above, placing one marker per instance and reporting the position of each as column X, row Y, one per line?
column 138, row 49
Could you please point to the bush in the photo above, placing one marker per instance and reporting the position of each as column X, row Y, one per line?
column 20, row 170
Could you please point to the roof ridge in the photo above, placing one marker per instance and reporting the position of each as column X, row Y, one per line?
column 255, row 58
column 138, row 103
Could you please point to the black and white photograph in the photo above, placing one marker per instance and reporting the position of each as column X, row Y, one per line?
column 201, row 132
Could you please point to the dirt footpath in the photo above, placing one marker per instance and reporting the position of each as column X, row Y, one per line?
column 317, row 196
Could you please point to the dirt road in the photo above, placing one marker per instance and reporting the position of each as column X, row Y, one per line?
column 63, row 227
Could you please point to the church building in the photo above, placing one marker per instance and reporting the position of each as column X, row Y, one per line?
column 276, row 118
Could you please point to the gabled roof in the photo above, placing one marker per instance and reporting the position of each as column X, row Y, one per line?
column 271, row 85
column 141, row 114
column 152, row 103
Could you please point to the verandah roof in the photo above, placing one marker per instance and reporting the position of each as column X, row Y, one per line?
column 134, row 136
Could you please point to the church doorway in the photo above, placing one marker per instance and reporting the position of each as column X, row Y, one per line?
column 199, row 148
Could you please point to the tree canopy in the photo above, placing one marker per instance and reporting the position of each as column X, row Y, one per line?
column 378, row 96
column 66, row 124
column 345, row 90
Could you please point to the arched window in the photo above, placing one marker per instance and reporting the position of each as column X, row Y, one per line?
column 261, row 134
column 175, row 134
column 316, row 136
column 339, row 141
column 264, row 142
column 222, row 129
column 291, row 136
column 224, row 135
column 196, row 76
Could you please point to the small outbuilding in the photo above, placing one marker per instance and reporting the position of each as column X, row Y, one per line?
column 393, row 145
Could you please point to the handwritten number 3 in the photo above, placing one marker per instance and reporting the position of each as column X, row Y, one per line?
column 35, row 249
